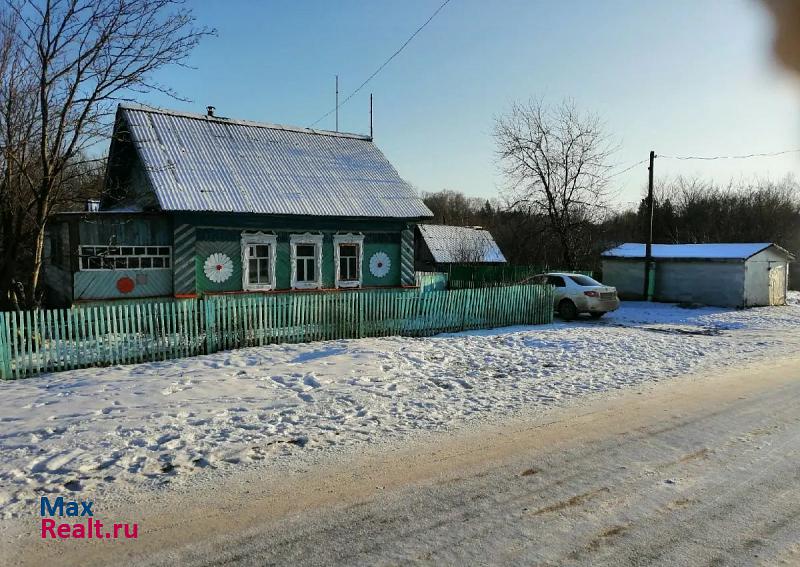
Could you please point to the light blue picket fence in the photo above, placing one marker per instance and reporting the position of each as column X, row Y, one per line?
column 32, row 342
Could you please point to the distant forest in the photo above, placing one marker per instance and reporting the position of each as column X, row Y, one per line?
column 686, row 211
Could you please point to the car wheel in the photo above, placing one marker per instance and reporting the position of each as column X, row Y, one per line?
column 567, row 310
column 597, row 315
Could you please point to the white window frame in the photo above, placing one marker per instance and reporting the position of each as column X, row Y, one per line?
column 258, row 239
column 358, row 240
column 83, row 255
column 315, row 240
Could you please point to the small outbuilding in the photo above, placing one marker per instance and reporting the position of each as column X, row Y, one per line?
column 725, row 275
column 438, row 247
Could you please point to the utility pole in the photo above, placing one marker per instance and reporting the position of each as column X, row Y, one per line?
column 648, row 253
column 337, row 103
column 370, row 116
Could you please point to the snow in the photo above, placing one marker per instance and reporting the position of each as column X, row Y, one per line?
column 450, row 244
column 735, row 251
column 159, row 424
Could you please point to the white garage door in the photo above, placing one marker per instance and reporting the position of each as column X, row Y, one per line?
column 777, row 285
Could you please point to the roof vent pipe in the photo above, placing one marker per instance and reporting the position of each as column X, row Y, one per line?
column 210, row 110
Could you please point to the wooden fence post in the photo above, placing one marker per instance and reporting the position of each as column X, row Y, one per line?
column 5, row 348
column 210, row 324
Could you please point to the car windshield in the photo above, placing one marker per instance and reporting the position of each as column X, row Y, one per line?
column 584, row 281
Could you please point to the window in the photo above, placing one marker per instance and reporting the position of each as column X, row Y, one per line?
column 258, row 264
column 125, row 257
column 306, row 261
column 556, row 281
column 584, row 281
column 306, row 254
column 258, row 261
column 348, row 248
column 348, row 262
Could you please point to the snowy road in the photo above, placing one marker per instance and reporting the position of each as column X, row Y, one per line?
column 715, row 483
column 162, row 425
column 696, row 472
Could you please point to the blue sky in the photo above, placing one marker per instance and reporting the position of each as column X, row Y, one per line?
column 682, row 77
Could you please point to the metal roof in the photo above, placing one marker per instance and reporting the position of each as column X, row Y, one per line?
column 196, row 162
column 454, row 244
column 725, row 251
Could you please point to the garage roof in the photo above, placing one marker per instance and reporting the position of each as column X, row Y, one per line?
column 723, row 251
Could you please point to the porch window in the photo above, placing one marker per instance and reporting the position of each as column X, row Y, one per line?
column 306, row 261
column 348, row 249
column 258, row 261
column 97, row 258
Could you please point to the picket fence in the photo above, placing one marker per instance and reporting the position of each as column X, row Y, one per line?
column 469, row 277
column 431, row 281
column 49, row 340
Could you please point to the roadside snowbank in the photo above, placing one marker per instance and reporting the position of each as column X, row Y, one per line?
column 157, row 423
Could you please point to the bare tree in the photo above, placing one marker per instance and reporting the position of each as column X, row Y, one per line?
column 82, row 57
column 556, row 161
column 469, row 249
column 20, row 174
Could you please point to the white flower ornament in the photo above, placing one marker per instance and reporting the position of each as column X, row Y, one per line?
column 218, row 267
column 379, row 264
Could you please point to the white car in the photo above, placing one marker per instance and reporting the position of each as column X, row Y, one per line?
column 575, row 294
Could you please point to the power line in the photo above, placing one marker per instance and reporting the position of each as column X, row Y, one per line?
column 706, row 158
column 711, row 158
column 384, row 64
column 627, row 169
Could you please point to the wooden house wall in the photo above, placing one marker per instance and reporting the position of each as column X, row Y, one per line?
column 66, row 282
column 194, row 237
column 222, row 234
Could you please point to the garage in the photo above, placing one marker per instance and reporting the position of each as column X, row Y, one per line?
column 724, row 274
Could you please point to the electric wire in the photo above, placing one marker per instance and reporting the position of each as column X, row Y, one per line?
column 384, row 64
column 745, row 156
column 706, row 158
column 627, row 169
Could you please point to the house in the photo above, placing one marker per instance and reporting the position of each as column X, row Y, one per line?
column 438, row 247
column 200, row 204
column 725, row 275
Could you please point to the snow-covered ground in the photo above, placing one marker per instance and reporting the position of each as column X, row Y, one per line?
column 157, row 423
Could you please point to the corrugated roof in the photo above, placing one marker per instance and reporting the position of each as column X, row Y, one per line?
column 453, row 244
column 726, row 251
column 201, row 163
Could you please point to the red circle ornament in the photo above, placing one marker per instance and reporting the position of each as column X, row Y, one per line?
column 125, row 285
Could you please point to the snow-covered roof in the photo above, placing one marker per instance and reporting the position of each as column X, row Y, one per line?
column 454, row 244
column 196, row 162
column 724, row 251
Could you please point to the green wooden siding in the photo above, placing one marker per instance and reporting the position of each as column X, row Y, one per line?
column 243, row 221
column 407, row 257
column 102, row 284
column 183, row 259
column 390, row 279
column 124, row 230
column 32, row 342
column 194, row 237
column 224, row 242
column 228, row 241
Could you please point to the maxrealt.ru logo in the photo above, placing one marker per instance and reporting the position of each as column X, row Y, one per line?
column 87, row 528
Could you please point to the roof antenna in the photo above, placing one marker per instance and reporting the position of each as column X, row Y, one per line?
column 210, row 110
column 370, row 116
column 337, row 103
